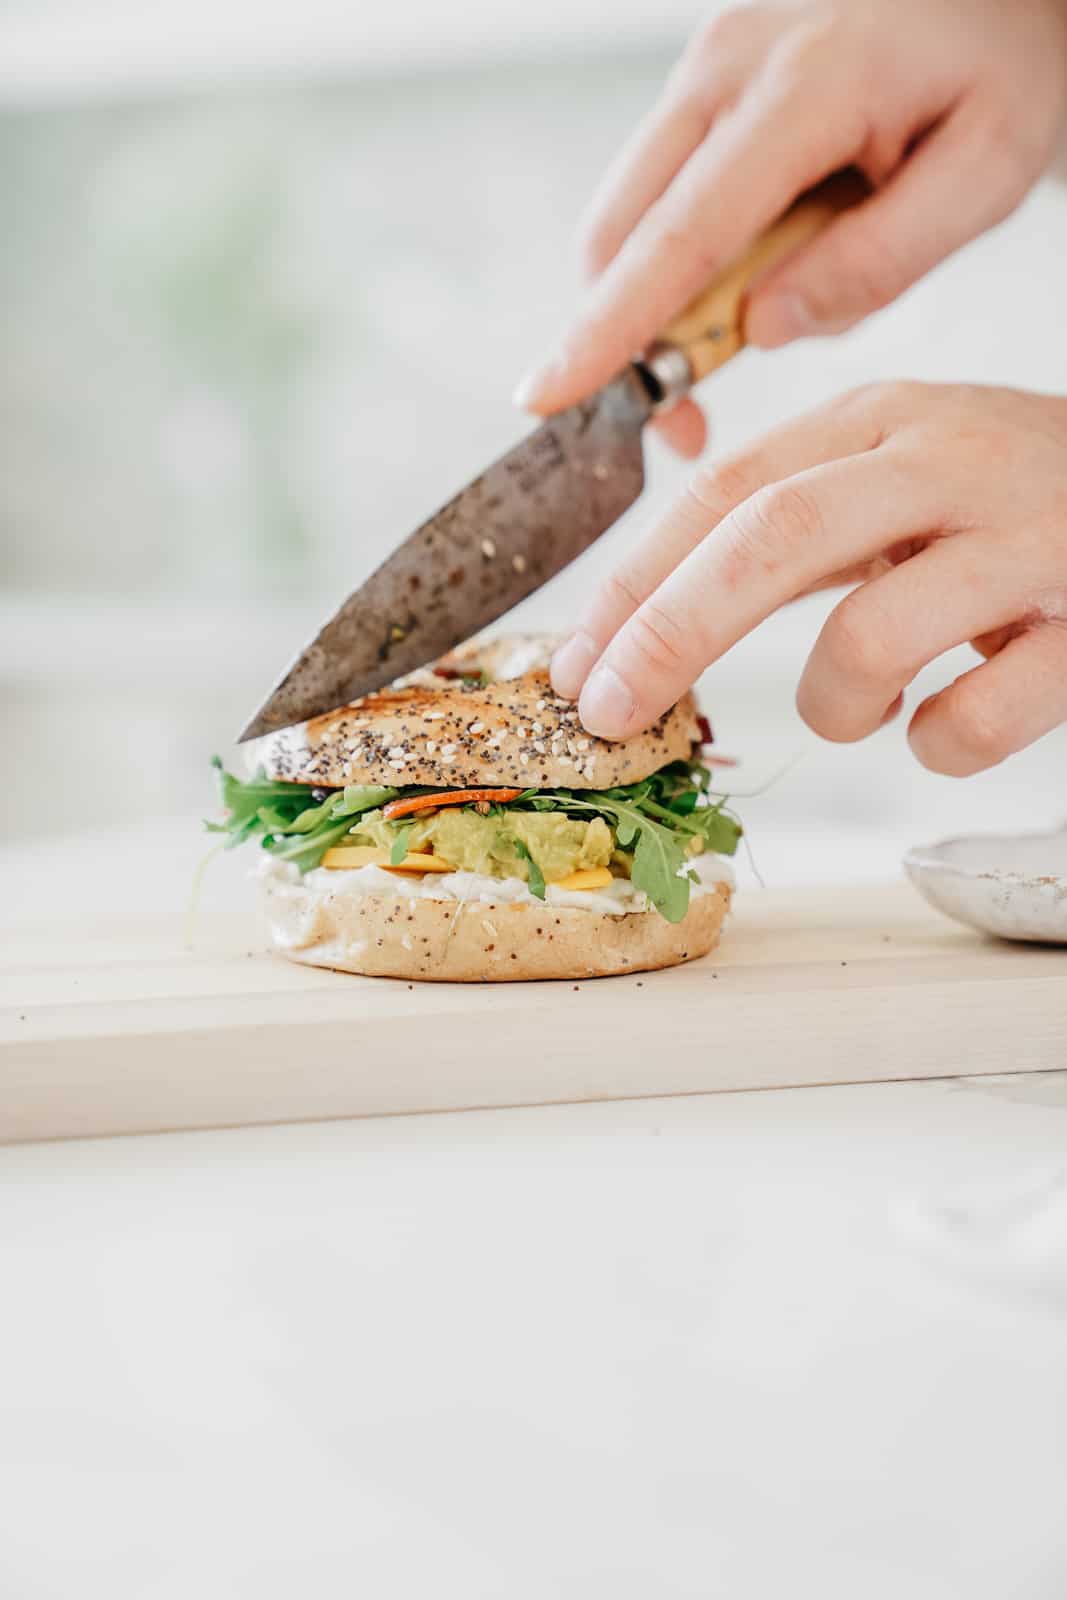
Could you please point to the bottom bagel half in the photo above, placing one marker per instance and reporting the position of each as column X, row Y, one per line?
column 475, row 941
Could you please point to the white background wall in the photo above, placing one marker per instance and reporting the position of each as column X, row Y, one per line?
column 267, row 283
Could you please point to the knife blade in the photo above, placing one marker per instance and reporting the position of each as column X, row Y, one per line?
column 501, row 538
column 534, row 510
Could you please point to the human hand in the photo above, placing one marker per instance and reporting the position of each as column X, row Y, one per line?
column 952, row 108
column 949, row 504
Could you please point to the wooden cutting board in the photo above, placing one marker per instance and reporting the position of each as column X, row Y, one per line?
column 119, row 1027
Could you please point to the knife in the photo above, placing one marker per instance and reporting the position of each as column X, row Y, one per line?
column 535, row 509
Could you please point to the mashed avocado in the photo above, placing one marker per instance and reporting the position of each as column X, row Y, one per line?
column 473, row 843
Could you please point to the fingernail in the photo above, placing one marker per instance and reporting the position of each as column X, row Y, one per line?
column 535, row 387
column 607, row 706
column 778, row 318
column 572, row 664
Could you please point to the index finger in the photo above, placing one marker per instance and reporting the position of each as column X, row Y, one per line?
column 709, row 75
column 785, row 134
column 777, row 543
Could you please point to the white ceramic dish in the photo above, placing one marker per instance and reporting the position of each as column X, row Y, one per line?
column 1012, row 885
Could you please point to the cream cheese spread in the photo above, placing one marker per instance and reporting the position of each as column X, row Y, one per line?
column 293, row 899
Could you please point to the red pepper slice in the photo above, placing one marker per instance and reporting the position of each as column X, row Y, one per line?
column 451, row 797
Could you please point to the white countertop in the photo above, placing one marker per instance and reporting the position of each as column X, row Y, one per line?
column 745, row 1345
column 669, row 1348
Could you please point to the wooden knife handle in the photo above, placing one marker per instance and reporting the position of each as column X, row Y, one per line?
column 711, row 329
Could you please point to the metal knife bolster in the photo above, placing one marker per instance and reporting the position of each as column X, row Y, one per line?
column 667, row 375
column 711, row 328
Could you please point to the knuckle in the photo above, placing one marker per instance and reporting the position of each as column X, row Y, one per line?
column 871, row 271
column 803, row 51
column 681, row 248
column 904, row 394
column 728, row 484
column 661, row 642
column 809, row 711
column 864, row 403
column 888, row 401
column 791, row 58
column 784, row 512
column 721, row 34
column 831, row 717
column 760, row 533
column 977, row 726
column 621, row 593
column 814, row 709
column 1012, row 153
column 858, row 650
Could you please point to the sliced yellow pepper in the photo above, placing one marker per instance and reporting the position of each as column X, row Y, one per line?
column 586, row 878
column 366, row 855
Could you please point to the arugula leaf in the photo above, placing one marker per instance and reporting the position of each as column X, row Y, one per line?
column 360, row 797
column 658, row 869
column 719, row 830
column 291, row 820
column 242, row 799
column 307, row 850
column 627, row 830
column 536, row 878
column 400, row 845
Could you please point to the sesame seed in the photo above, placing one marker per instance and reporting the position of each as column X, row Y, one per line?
column 540, row 705
column 431, row 746
column 538, row 727
column 477, row 727
column 488, row 549
column 539, row 746
column 566, row 761
column 583, row 744
column 398, row 753
column 397, row 766
column 433, row 716
column 446, row 760
column 524, row 761
column 448, row 749
column 519, row 563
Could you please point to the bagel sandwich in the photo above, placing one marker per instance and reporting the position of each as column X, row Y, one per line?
column 462, row 826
